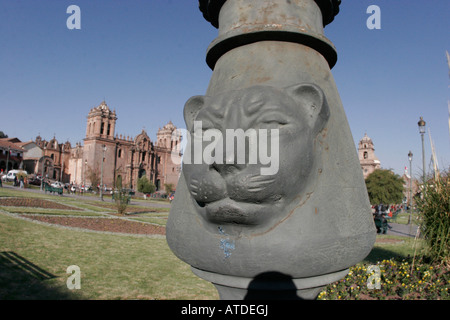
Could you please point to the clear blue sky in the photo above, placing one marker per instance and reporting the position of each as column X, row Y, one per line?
column 147, row 57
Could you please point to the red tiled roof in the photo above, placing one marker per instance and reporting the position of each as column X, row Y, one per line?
column 6, row 143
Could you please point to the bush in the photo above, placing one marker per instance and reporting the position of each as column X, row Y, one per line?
column 94, row 178
column 122, row 198
column 434, row 211
column 169, row 187
column 145, row 186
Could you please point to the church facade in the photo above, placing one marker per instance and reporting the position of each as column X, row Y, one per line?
column 114, row 156
column 367, row 158
column 108, row 156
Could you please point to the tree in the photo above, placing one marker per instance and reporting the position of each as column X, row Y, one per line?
column 168, row 187
column 384, row 186
column 119, row 182
column 3, row 135
column 121, row 196
column 145, row 186
column 94, row 177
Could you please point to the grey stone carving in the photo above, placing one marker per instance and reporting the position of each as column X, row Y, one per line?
column 282, row 228
column 238, row 194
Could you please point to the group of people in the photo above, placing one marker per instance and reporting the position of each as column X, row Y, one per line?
column 384, row 209
column 18, row 182
column 382, row 212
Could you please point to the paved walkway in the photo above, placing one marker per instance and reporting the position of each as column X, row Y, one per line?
column 402, row 230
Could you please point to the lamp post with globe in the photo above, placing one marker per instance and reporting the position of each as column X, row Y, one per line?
column 410, row 156
column 421, row 125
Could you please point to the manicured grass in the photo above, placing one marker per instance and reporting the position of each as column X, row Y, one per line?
column 387, row 247
column 87, row 206
column 25, row 210
column 403, row 218
column 155, row 220
column 112, row 266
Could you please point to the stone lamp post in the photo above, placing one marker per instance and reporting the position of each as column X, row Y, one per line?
column 282, row 228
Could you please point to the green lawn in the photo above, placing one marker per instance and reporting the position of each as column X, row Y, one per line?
column 403, row 218
column 388, row 247
column 112, row 266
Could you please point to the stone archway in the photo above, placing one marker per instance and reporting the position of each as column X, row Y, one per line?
column 46, row 170
column 141, row 173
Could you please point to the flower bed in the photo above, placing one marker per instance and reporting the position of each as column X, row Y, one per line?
column 398, row 280
column 103, row 224
column 34, row 203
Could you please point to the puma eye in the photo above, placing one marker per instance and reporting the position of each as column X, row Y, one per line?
column 273, row 121
column 207, row 125
column 201, row 127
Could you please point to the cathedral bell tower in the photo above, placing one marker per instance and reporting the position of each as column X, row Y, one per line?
column 367, row 158
column 101, row 122
column 99, row 146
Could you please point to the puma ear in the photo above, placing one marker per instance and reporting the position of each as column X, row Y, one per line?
column 311, row 98
column 191, row 109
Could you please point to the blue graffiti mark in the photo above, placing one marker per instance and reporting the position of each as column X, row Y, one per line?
column 225, row 244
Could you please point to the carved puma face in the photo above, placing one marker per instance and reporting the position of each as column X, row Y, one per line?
column 283, row 123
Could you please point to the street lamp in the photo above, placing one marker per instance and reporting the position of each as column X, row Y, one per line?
column 84, row 174
column 62, row 164
column 42, row 176
column 7, row 160
column 101, row 175
column 43, row 168
column 421, row 124
column 410, row 156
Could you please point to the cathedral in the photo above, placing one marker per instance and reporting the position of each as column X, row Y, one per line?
column 109, row 155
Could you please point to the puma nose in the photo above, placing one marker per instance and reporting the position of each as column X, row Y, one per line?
column 230, row 161
column 225, row 169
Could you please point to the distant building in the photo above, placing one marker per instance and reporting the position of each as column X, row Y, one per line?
column 367, row 158
column 123, row 157
column 32, row 156
column 410, row 187
column 11, row 154
column 53, row 162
